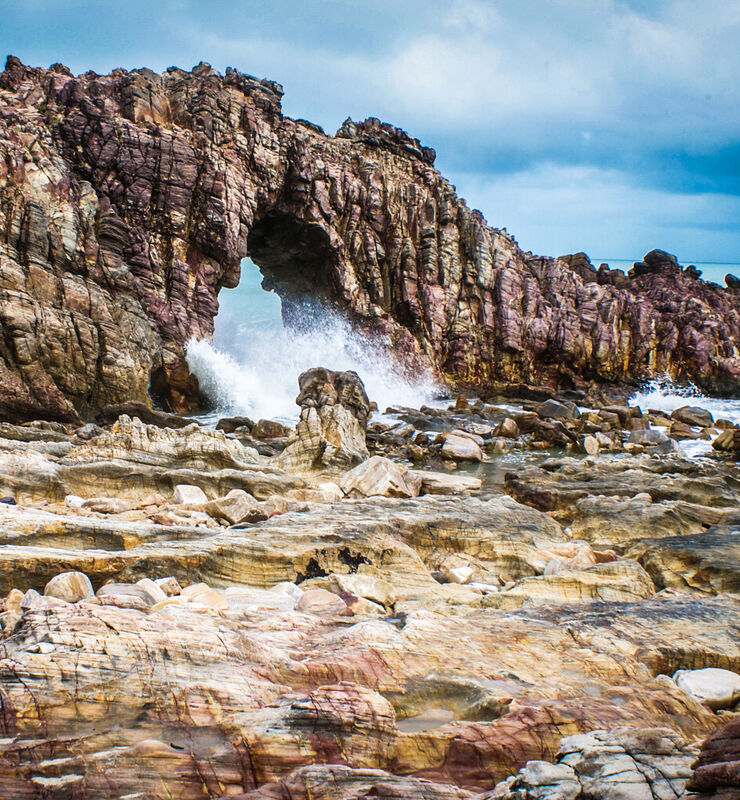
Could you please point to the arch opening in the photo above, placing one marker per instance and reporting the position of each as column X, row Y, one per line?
column 280, row 321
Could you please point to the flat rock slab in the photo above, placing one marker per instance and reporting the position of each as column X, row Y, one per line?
column 193, row 689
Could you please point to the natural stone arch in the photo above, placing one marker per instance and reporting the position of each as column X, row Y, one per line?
column 128, row 201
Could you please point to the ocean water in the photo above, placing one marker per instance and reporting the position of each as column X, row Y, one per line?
column 252, row 365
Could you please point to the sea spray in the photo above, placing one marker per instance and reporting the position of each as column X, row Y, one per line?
column 252, row 365
column 662, row 394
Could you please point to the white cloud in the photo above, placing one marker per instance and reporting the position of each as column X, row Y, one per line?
column 555, row 210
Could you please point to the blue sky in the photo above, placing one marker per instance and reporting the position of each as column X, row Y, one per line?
column 597, row 125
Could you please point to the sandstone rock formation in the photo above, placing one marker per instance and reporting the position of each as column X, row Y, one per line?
column 331, row 431
column 128, row 201
column 621, row 764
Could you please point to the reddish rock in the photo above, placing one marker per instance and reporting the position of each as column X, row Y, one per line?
column 129, row 200
column 718, row 765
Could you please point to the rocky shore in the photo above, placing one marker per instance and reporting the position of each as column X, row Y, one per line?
column 529, row 599
column 128, row 201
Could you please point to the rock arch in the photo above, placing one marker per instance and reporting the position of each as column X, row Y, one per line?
column 128, row 201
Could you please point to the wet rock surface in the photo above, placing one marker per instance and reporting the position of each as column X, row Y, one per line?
column 391, row 630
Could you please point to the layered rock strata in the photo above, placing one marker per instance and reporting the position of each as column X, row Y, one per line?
column 330, row 433
column 128, row 201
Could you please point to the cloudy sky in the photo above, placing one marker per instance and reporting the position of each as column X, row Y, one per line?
column 599, row 125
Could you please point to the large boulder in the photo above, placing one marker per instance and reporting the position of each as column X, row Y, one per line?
column 331, row 431
column 381, row 476
column 70, row 587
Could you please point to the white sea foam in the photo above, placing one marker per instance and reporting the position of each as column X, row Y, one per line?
column 664, row 395
column 252, row 365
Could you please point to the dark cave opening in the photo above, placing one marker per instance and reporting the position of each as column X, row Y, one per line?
column 296, row 260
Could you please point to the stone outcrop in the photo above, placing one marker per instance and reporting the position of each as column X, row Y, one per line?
column 330, row 434
column 621, row 764
column 128, row 201
column 717, row 770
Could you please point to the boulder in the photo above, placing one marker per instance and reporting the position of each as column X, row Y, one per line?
column 461, row 448
column 204, row 595
column 381, row 476
column 694, row 416
column 329, row 492
column 169, row 585
column 554, row 409
column 70, row 587
column 368, row 586
column 590, row 445
column 322, row 603
column 104, row 505
column 445, row 483
column 718, row 688
column 651, row 436
column 331, row 431
column 269, row 429
column 188, row 495
column 233, row 508
column 230, row 424
column 507, row 428
column 129, row 595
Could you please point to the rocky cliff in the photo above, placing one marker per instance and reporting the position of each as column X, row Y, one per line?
column 127, row 201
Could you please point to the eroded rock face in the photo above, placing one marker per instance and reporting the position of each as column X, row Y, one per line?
column 129, row 200
column 330, row 434
column 622, row 764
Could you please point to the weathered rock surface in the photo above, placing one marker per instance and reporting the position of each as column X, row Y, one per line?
column 129, row 200
column 331, row 431
column 132, row 460
column 214, row 700
column 717, row 770
column 621, row 764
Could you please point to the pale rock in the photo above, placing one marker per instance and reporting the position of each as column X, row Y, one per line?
column 718, row 688
column 70, row 587
column 33, row 601
column 289, row 588
column 466, row 434
column 250, row 599
column 169, row 585
column 649, row 436
column 187, row 494
column 13, row 600
column 322, row 603
column 479, row 429
column 458, row 574
column 129, row 595
column 106, row 505
column 74, row 501
column 232, row 508
column 329, row 492
column 368, row 586
column 277, row 504
column 443, row 483
column 507, row 428
column 204, row 595
column 381, row 476
column 590, row 445
column 461, row 448
column 361, row 606
column 154, row 591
